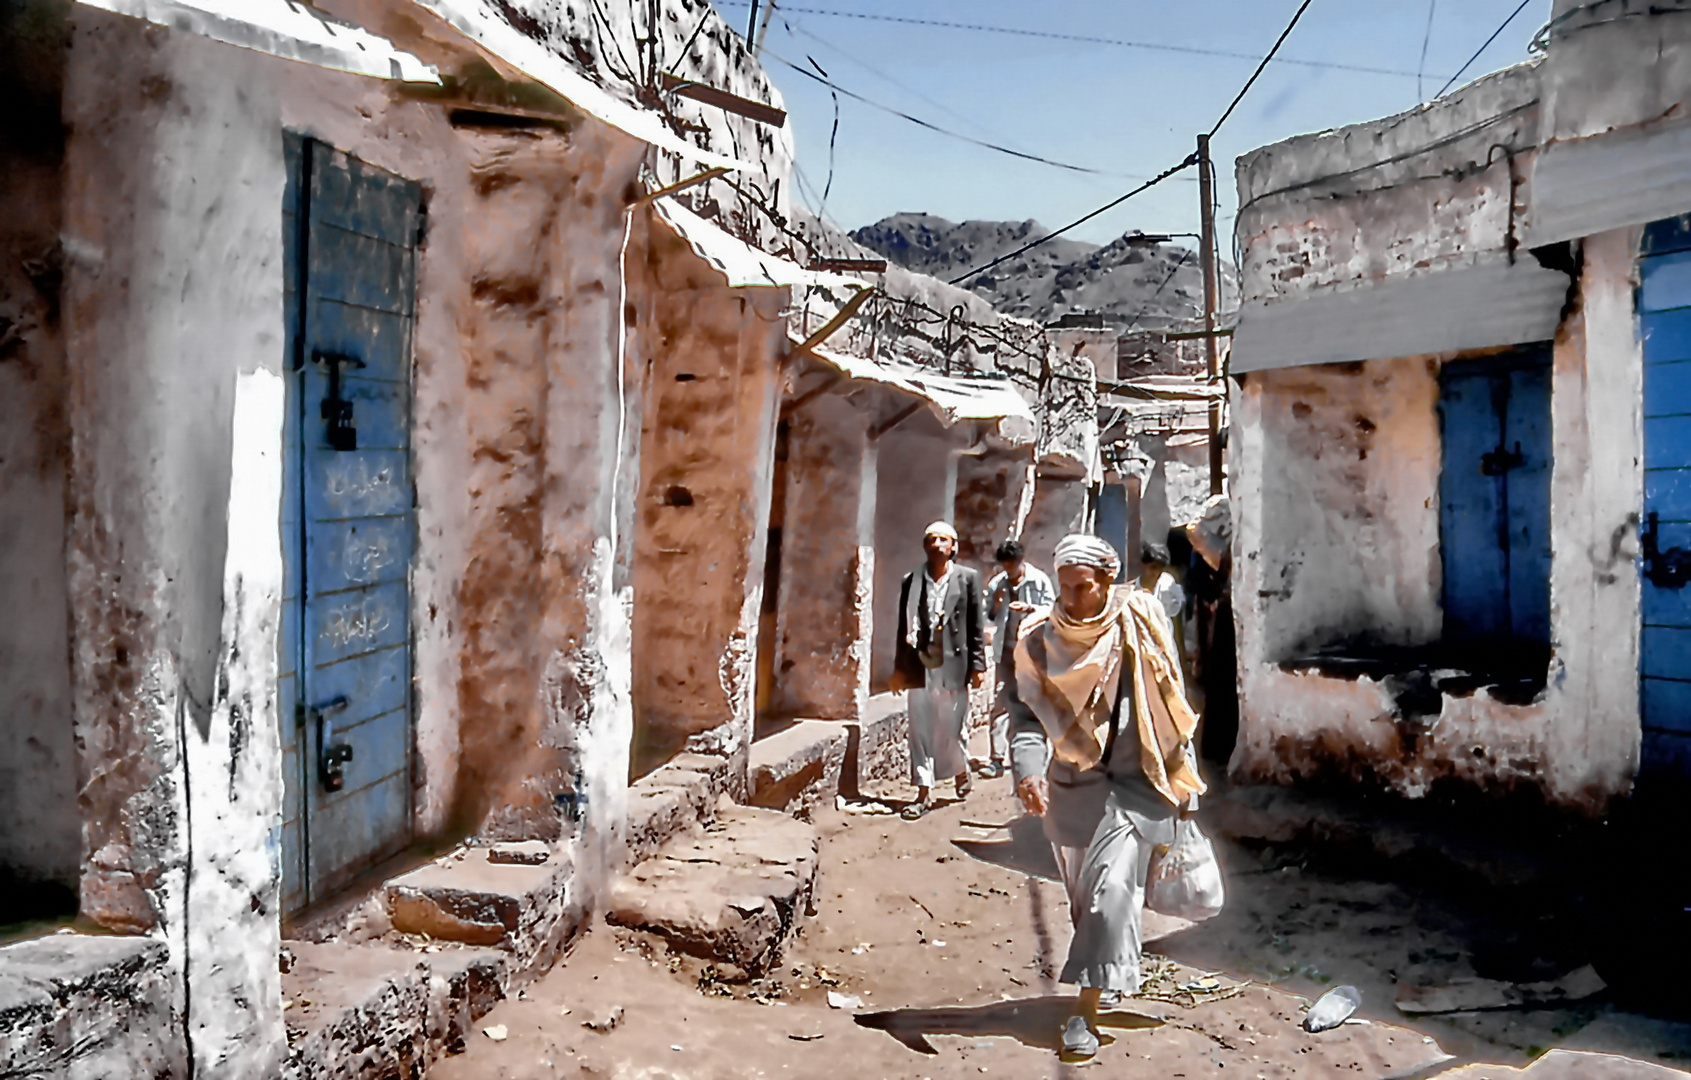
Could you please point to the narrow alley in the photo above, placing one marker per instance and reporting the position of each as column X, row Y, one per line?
column 526, row 555
column 941, row 939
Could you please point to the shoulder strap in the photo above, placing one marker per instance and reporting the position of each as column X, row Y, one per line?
column 1115, row 710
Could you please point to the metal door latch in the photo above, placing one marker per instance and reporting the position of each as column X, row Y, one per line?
column 332, row 756
column 573, row 802
column 337, row 410
column 1670, row 569
column 1501, row 460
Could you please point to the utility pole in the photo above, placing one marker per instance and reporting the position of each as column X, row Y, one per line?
column 1206, row 196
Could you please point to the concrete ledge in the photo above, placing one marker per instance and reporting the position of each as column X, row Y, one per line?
column 513, row 896
column 671, row 799
column 794, row 769
column 87, row 1007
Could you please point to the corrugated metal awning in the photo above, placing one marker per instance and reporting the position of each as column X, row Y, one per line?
column 951, row 400
column 478, row 20
column 741, row 263
column 1477, row 307
column 281, row 28
column 1582, row 187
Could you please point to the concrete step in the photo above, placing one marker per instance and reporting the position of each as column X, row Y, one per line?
column 512, row 896
column 361, row 1011
column 731, row 892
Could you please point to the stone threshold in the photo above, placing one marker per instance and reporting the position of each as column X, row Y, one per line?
column 403, row 975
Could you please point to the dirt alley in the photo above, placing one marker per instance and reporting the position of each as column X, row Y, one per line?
column 957, row 956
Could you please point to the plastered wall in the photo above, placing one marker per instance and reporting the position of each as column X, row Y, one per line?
column 825, row 617
column 40, row 834
column 1328, row 547
column 711, row 358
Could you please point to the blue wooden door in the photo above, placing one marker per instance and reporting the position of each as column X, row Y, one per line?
column 1112, row 524
column 1494, row 501
column 349, row 518
column 1664, row 317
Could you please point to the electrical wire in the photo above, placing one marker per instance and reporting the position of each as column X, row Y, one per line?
column 1250, row 82
column 1483, row 48
column 1191, row 159
column 836, row 87
column 1426, row 39
column 1087, row 39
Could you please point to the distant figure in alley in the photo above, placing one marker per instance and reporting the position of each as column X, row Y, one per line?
column 1015, row 592
column 941, row 654
column 1101, row 745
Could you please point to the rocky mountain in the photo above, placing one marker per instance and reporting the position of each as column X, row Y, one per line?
column 1129, row 280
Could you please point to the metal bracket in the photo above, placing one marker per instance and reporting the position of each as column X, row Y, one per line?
column 332, row 756
column 1670, row 569
column 336, row 409
column 1501, row 460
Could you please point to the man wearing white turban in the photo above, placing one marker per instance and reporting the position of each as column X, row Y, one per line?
column 941, row 653
column 1101, row 748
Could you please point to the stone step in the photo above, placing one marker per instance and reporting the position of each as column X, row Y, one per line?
column 730, row 892
column 364, row 1011
column 799, row 766
column 671, row 799
column 512, row 896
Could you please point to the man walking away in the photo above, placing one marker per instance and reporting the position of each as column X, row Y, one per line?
column 1015, row 592
column 941, row 654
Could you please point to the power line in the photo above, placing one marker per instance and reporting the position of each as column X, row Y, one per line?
column 1112, row 204
column 832, row 85
column 1082, row 38
column 1426, row 39
column 1484, row 47
column 1250, row 82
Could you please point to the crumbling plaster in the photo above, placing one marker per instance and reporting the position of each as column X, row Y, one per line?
column 1614, row 65
column 1328, row 548
column 825, row 610
column 175, row 412
column 711, row 359
column 1433, row 189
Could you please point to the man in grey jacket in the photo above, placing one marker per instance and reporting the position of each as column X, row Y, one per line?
column 941, row 654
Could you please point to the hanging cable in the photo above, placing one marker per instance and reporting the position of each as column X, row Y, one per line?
column 811, row 75
column 1483, row 48
column 1191, row 159
column 1085, row 39
column 1250, row 82
column 1426, row 39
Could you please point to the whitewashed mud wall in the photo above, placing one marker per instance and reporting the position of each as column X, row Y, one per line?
column 711, row 369
column 825, row 615
column 40, row 834
column 173, row 300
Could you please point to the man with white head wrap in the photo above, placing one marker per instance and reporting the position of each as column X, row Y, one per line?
column 941, row 653
column 1101, row 749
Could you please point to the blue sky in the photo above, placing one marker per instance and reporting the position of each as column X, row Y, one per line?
column 1124, row 110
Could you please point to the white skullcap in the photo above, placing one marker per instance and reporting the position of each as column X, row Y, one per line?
column 940, row 528
column 1079, row 549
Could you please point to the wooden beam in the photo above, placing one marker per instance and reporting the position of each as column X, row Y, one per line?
column 812, row 394
column 897, row 418
column 722, row 99
column 849, row 266
column 679, row 185
column 827, row 329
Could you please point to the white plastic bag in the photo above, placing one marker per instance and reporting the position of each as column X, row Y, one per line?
column 1184, row 880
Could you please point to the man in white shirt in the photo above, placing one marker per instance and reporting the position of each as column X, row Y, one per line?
column 1015, row 592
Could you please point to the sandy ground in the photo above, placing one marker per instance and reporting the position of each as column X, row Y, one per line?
column 952, row 944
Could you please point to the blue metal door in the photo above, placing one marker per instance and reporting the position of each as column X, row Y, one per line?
column 1494, row 500
column 1664, row 317
column 349, row 518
